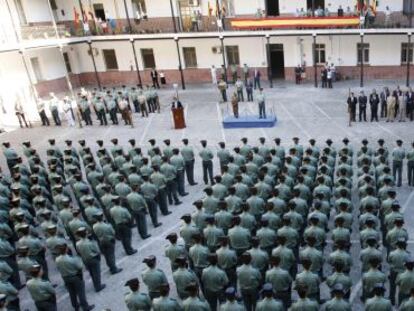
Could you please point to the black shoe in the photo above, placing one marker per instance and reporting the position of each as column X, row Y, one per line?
column 91, row 307
column 177, row 203
column 100, row 288
column 193, row 184
column 157, row 225
column 132, row 252
column 145, row 236
column 168, row 213
column 116, row 271
column 184, row 194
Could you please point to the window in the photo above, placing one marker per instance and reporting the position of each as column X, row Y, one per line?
column 320, row 54
column 110, row 59
column 190, row 57
column 148, row 58
column 232, row 53
column 20, row 12
column 67, row 62
column 99, row 11
column 139, row 8
column 363, row 51
column 36, row 69
column 406, row 53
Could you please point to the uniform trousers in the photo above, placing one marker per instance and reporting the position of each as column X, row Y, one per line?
column 397, row 172
column 76, row 288
column 141, row 220
column 171, row 193
column 410, row 173
column 213, row 298
column 94, row 267
column 114, row 117
column 124, row 231
column 56, row 118
column 102, row 117
column 44, row 118
column 108, row 251
column 46, row 305
column 136, row 105
column 250, row 297
column 180, row 181
column 162, row 201
column 152, row 210
column 208, row 171
column 189, row 171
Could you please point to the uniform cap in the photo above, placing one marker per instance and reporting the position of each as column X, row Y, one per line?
column 268, row 287
column 35, row 268
column 151, row 141
column 131, row 141
column 399, row 141
column 221, row 144
column 98, row 214
column 185, row 140
column 244, row 139
column 380, row 141
column 198, row 203
column 209, row 218
column 171, row 236
column 329, row 141
column 167, row 141
column 149, row 259
column 132, row 282
column 203, row 141
column 345, row 140
column 230, row 291
column 191, row 287
column 186, row 216
column 51, row 141
column 338, row 287
column 365, row 141
column 23, row 248
column 81, row 230
column 114, row 140
column 3, row 297
column 379, row 286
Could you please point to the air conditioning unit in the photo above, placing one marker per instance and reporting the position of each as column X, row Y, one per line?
column 216, row 50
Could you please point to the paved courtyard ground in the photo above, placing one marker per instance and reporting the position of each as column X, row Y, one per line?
column 301, row 111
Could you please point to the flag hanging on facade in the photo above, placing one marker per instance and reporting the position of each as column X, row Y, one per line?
column 76, row 15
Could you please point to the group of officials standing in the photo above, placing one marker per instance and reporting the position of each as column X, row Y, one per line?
column 106, row 104
column 397, row 105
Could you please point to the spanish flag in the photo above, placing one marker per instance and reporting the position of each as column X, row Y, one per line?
column 76, row 16
column 210, row 9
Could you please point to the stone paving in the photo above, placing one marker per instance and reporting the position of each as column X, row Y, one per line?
column 301, row 111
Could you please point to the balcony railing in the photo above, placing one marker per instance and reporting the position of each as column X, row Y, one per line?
column 202, row 24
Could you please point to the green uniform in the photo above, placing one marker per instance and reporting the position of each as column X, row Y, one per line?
column 232, row 306
column 249, row 280
column 195, row 304
column 305, row 304
column 172, row 252
column 311, row 281
column 214, row 282
column 405, row 282
column 182, row 278
column 337, row 304
column 136, row 301
column 239, row 239
column 153, row 278
column 407, row 305
column 166, row 304
column 269, row 304
column 339, row 278
column 378, row 304
column 42, row 291
column 369, row 279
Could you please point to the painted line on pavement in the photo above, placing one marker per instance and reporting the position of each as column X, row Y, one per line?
column 220, row 116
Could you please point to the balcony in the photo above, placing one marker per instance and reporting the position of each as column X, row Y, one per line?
column 33, row 32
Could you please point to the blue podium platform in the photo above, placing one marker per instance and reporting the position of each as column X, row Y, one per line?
column 248, row 122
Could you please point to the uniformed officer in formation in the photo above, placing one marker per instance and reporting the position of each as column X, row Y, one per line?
column 308, row 184
column 136, row 300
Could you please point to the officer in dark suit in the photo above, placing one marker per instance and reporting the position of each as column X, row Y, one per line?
column 154, row 78
column 352, row 103
column 374, row 102
column 362, row 101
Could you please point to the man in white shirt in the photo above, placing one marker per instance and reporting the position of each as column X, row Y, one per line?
column 213, row 75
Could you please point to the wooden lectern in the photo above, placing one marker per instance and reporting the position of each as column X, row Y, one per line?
column 178, row 116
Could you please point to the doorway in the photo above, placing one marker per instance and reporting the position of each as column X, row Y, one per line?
column 272, row 7
column 316, row 4
column 277, row 61
column 99, row 11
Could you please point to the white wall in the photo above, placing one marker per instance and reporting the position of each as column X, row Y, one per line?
column 243, row 7
column 51, row 63
column 36, row 11
column 205, row 57
column 6, row 26
column 13, row 83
